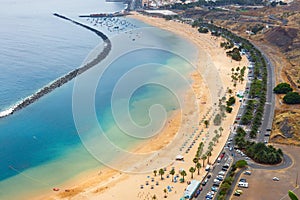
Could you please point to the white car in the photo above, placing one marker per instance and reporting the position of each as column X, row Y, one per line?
column 247, row 172
column 221, row 173
column 275, row 178
column 216, row 180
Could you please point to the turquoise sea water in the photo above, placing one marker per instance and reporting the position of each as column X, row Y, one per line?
column 39, row 145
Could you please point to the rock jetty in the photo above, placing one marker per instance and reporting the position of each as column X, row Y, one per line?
column 66, row 78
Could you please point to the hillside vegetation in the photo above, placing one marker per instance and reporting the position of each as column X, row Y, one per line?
column 276, row 31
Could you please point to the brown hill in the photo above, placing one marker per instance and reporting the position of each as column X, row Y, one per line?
column 286, row 127
column 279, row 38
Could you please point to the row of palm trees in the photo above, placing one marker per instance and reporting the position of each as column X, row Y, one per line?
column 196, row 160
column 161, row 172
column 199, row 150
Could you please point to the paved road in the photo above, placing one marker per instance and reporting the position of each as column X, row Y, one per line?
column 270, row 100
column 214, row 172
column 234, row 183
column 287, row 162
column 266, row 124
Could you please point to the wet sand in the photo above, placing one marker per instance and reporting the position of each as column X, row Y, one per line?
column 212, row 77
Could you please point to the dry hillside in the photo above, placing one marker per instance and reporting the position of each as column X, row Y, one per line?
column 278, row 35
column 286, row 127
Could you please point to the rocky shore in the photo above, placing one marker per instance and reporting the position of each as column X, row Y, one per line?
column 66, row 78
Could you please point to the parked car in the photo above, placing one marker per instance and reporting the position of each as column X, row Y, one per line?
column 275, row 178
column 267, row 134
column 197, row 193
column 213, row 188
column 216, row 180
column 221, row 173
column 207, row 168
column 247, row 172
column 237, row 194
column 209, row 195
column 204, row 182
column 220, row 177
column 224, row 169
column 243, row 184
column 217, row 184
column 243, row 180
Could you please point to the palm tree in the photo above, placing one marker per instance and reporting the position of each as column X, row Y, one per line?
column 214, row 139
column 155, row 172
column 280, row 152
column 192, row 170
column 221, row 129
column 242, row 79
column 230, row 92
column 206, row 122
column 172, row 172
column 165, row 191
column 161, row 172
column 195, row 160
column 198, row 166
column 154, row 197
column 208, row 155
column 217, row 138
column 183, row 174
column 204, row 157
column 216, row 132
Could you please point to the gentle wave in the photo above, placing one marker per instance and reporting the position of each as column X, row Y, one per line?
column 64, row 79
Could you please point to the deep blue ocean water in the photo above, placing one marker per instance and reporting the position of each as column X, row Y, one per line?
column 39, row 145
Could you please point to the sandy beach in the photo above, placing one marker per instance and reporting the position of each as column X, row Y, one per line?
column 210, row 82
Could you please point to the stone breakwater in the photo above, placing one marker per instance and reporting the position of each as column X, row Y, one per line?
column 66, row 78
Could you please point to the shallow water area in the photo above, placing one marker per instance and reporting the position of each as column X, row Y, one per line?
column 39, row 146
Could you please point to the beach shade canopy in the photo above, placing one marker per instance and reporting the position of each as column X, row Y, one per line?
column 179, row 157
column 240, row 94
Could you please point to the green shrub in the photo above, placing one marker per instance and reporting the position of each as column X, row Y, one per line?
column 228, row 109
column 292, row 98
column 241, row 163
column 203, row 30
column 230, row 101
column 282, row 88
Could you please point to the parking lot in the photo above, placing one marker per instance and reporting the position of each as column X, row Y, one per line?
column 263, row 187
column 211, row 183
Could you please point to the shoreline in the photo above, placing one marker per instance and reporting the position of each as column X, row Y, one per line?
column 67, row 77
column 116, row 186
